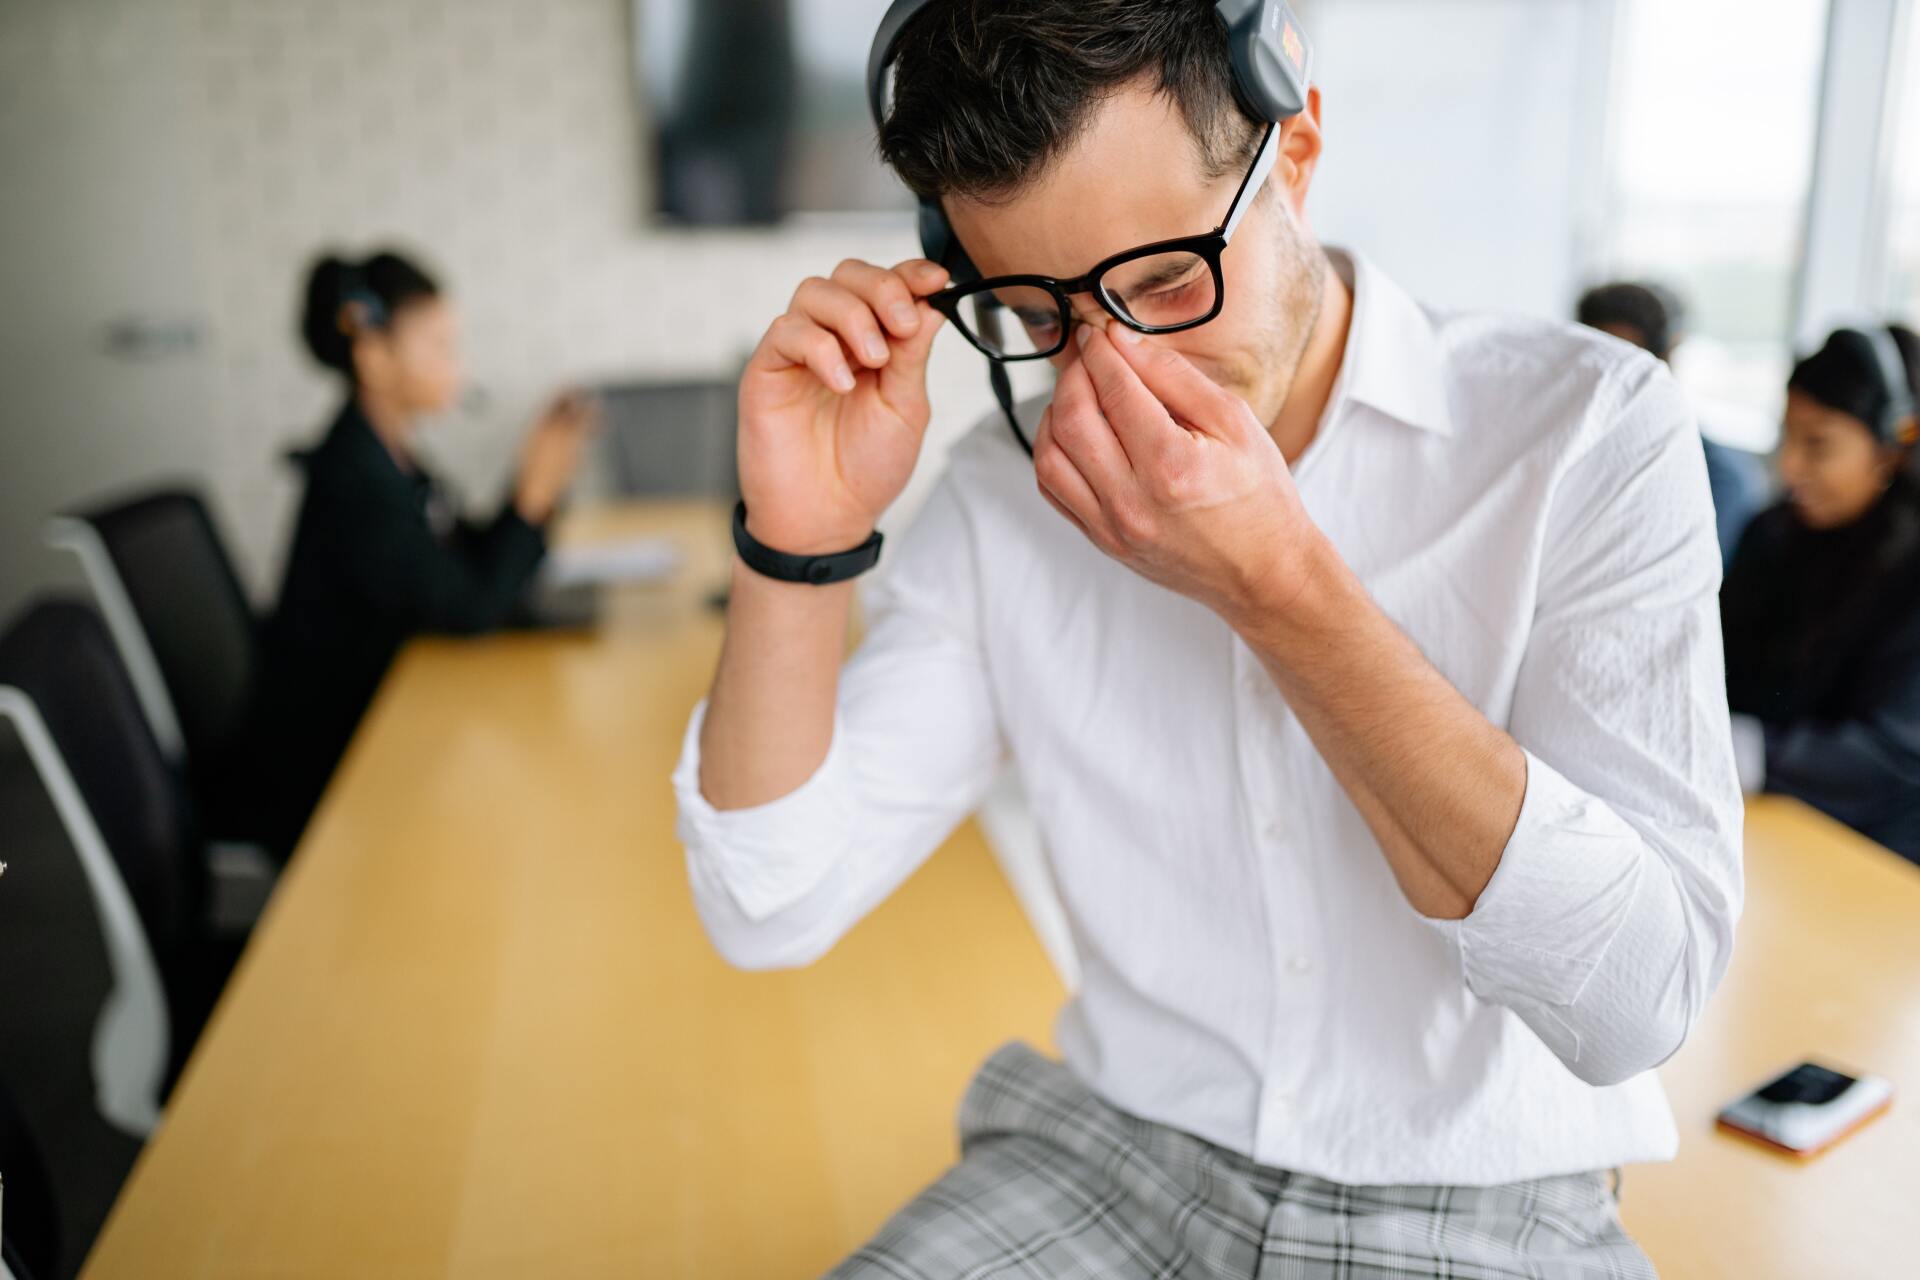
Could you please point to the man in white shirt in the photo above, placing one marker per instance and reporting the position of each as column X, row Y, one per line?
column 1362, row 665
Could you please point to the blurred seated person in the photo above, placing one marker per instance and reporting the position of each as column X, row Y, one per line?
column 378, row 554
column 1652, row 318
column 1821, row 607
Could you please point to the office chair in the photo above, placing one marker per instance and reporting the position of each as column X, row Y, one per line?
column 124, row 810
column 179, row 617
column 29, row 1229
column 161, row 576
column 83, row 1021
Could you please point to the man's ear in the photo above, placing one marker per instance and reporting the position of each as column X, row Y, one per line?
column 1300, row 142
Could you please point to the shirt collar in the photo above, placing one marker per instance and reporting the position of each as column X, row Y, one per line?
column 1393, row 358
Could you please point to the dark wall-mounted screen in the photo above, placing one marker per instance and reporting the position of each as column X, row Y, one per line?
column 758, row 109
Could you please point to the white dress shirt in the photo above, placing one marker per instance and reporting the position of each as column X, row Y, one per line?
column 1528, row 501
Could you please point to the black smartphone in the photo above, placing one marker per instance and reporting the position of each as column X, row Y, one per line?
column 1808, row 1109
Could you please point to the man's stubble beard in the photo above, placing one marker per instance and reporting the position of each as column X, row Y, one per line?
column 1288, row 324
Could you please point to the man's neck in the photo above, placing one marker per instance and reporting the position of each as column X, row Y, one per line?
column 1294, row 427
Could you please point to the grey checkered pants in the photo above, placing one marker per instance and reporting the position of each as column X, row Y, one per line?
column 1055, row 1183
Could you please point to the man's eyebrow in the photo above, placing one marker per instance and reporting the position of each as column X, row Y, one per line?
column 1165, row 272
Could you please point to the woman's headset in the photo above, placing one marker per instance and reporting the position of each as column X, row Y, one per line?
column 1271, row 60
column 1896, row 425
column 355, row 292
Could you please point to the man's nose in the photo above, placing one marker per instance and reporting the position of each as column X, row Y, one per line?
column 1088, row 312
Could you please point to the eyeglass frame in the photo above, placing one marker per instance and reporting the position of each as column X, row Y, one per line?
column 1207, row 246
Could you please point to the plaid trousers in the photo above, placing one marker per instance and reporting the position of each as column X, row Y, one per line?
column 1053, row 1182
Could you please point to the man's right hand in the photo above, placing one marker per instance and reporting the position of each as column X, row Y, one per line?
column 833, row 405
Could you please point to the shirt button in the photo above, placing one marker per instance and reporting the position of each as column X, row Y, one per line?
column 1300, row 964
column 1272, row 829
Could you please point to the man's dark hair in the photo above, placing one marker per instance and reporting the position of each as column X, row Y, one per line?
column 1654, row 311
column 987, row 92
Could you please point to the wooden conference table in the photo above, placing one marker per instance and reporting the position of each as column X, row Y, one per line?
column 479, row 1032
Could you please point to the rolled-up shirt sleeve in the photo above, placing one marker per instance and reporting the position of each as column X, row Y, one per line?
column 916, row 742
column 1610, row 917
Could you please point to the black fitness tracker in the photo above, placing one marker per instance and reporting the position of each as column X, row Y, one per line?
column 816, row 571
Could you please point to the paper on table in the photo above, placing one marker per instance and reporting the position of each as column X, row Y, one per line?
column 628, row 560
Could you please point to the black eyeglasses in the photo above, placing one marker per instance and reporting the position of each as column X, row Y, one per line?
column 1162, row 287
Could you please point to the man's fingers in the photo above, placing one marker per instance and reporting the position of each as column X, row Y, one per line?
column 1068, row 516
column 923, row 276
column 906, row 373
column 887, row 295
column 795, row 340
column 1193, row 399
column 1060, row 480
column 835, row 307
column 1081, row 428
column 1139, row 420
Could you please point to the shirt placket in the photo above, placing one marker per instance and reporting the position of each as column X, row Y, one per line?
column 1293, row 948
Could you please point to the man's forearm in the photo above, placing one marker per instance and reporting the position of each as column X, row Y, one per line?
column 1439, row 785
column 770, row 715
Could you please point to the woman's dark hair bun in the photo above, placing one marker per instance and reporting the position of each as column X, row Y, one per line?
column 383, row 283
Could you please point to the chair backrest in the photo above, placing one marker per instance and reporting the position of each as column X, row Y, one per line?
column 29, row 1227
column 59, row 655
column 160, row 558
column 84, row 1025
column 673, row 438
column 124, row 819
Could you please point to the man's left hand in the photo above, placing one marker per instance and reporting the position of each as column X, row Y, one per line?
column 1174, row 476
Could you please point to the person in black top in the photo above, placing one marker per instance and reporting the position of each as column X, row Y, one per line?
column 378, row 555
column 1821, row 606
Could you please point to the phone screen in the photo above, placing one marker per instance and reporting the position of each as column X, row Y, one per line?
column 1809, row 1084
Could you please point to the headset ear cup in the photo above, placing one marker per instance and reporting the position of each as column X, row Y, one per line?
column 940, row 245
column 1272, row 62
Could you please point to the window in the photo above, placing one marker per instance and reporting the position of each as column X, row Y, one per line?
column 1711, row 154
column 1903, row 205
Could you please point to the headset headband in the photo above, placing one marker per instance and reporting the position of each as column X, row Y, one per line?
column 1893, row 376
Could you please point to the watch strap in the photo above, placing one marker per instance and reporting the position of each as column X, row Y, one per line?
column 816, row 571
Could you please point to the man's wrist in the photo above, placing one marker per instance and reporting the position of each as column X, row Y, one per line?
column 818, row 569
column 1301, row 611
column 795, row 541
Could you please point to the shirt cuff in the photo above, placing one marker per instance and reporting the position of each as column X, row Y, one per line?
column 1750, row 752
column 1564, row 886
column 768, row 856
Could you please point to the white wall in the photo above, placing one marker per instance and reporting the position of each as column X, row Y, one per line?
column 87, row 91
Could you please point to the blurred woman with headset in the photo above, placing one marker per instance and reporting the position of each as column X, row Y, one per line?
column 1821, row 605
column 378, row 554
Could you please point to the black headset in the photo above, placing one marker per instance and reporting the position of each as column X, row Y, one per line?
column 1271, row 61
column 356, row 292
column 1893, row 376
